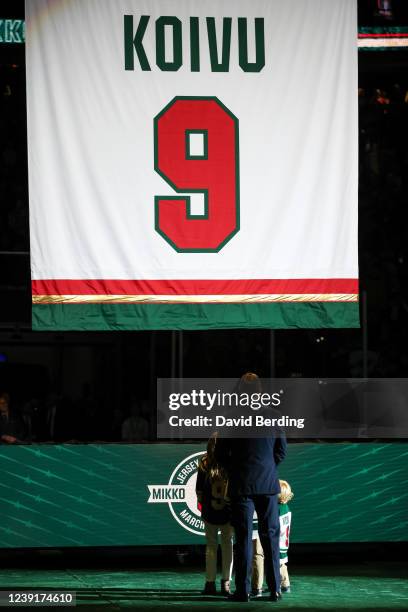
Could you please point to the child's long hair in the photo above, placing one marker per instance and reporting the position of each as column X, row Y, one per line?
column 286, row 494
column 209, row 463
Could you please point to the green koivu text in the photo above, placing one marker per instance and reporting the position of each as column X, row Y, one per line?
column 219, row 51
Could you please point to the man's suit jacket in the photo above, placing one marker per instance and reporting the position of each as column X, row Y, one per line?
column 251, row 464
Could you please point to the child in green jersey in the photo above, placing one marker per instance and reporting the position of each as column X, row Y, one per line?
column 285, row 517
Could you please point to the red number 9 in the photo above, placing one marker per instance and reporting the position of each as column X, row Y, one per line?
column 213, row 170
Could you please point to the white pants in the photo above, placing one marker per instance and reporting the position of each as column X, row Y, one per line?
column 211, row 535
column 285, row 582
column 257, row 565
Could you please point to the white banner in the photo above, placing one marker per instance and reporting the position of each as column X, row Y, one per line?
column 192, row 152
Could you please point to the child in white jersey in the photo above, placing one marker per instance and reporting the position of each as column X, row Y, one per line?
column 285, row 516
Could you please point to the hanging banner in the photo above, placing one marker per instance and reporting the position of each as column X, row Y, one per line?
column 192, row 165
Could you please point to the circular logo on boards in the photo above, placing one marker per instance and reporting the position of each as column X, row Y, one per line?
column 180, row 494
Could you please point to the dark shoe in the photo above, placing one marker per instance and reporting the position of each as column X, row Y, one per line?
column 239, row 597
column 285, row 589
column 209, row 589
column 225, row 587
column 275, row 597
column 255, row 593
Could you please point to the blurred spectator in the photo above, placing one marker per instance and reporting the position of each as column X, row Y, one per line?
column 90, row 426
column 29, row 417
column 136, row 426
column 11, row 426
column 381, row 97
column 115, row 429
column 384, row 9
column 62, row 420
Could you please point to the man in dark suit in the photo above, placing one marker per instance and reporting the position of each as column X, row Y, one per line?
column 251, row 464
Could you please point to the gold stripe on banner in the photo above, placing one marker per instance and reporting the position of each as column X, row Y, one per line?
column 381, row 43
column 198, row 299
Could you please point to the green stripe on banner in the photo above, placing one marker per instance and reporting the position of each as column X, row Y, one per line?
column 383, row 30
column 194, row 316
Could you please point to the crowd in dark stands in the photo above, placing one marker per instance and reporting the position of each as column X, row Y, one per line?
column 57, row 419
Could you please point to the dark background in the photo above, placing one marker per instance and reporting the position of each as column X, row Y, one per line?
column 97, row 379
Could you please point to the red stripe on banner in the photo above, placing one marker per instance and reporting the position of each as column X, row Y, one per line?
column 193, row 287
column 388, row 35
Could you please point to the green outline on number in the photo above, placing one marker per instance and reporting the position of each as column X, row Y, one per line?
column 187, row 201
column 205, row 154
column 204, row 191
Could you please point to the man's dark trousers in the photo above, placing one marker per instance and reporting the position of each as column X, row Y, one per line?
column 266, row 507
column 251, row 464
